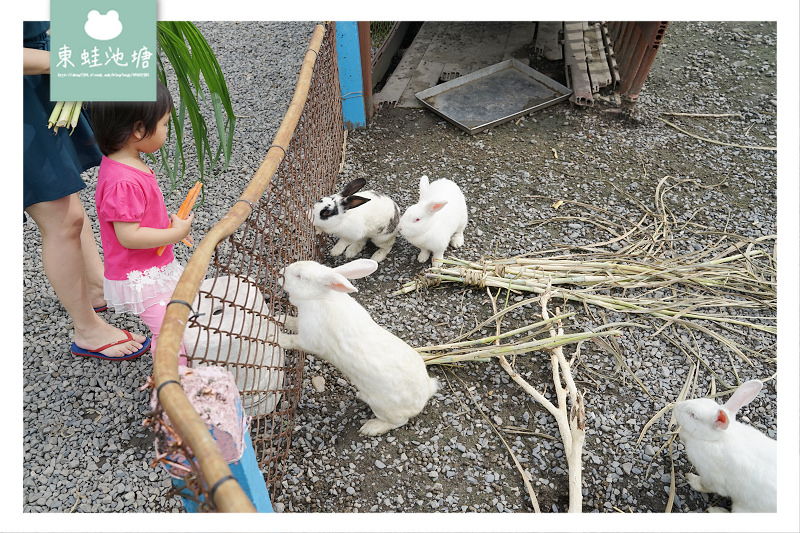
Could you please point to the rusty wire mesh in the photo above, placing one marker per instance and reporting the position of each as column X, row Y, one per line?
column 236, row 286
column 378, row 33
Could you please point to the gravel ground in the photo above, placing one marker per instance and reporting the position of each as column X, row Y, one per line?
column 84, row 447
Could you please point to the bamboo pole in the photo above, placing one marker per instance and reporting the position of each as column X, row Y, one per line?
column 229, row 497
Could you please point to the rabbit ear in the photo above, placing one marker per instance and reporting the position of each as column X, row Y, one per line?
column 722, row 420
column 357, row 269
column 743, row 395
column 353, row 187
column 337, row 282
column 436, row 206
column 423, row 187
column 354, row 201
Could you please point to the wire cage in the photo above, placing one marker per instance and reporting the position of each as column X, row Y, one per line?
column 227, row 307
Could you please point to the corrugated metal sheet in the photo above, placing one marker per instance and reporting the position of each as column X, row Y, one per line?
column 633, row 45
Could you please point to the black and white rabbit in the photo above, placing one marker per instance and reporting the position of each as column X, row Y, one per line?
column 732, row 459
column 390, row 375
column 436, row 220
column 375, row 219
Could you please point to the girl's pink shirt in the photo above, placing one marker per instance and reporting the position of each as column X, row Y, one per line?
column 126, row 194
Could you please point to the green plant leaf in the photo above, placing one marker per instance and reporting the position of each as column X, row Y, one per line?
column 193, row 60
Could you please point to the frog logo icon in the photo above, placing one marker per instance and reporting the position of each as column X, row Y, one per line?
column 103, row 27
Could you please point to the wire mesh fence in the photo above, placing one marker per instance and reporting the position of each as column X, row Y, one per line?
column 227, row 308
column 378, row 33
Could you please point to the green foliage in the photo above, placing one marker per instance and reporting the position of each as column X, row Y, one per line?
column 191, row 58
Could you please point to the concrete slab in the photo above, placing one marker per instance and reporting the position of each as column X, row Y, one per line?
column 548, row 40
column 444, row 48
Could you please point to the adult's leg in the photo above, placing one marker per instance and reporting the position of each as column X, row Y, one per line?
column 61, row 223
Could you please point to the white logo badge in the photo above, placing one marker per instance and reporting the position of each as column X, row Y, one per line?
column 103, row 27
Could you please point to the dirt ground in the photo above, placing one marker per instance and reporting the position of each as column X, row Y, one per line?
column 452, row 457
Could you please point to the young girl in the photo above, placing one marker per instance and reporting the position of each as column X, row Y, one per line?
column 130, row 207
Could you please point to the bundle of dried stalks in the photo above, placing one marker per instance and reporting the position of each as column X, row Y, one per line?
column 687, row 293
column 518, row 341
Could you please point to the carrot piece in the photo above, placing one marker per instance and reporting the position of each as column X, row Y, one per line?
column 184, row 210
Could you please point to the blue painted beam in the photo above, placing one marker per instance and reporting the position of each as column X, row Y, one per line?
column 348, row 55
column 246, row 472
column 223, row 415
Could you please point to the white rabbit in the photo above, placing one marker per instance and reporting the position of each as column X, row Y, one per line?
column 375, row 219
column 389, row 374
column 232, row 313
column 438, row 219
column 733, row 459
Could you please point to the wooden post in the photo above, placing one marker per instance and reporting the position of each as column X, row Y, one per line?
column 365, row 45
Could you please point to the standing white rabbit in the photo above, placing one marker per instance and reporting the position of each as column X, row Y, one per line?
column 436, row 220
column 389, row 374
column 231, row 313
column 375, row 219
column 732, row 458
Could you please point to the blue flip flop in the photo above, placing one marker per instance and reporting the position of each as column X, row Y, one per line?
column 75, row 349
column 101, row 308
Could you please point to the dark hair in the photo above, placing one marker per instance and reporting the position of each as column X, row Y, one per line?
column 113, row 122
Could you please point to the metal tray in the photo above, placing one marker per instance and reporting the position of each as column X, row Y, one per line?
column 493, row 95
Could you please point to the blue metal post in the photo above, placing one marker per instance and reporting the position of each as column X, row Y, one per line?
column 348, row 55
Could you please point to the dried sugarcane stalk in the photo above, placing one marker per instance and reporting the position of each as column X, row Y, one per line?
column 525, row 475
column 571, row 419
column 504, row 363
column 477, row 349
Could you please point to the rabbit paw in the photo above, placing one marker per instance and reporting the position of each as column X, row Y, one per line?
column 457, row 240
column 379, row 255
column 696, row 483
column 353, row 249
column 288, row 342
column 423, row 255
column 375, row 426
column 339, row 248
column 290, row 323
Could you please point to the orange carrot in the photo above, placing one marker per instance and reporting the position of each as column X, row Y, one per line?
column 184, row 210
